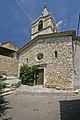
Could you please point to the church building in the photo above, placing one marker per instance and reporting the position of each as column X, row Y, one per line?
column 56, row 54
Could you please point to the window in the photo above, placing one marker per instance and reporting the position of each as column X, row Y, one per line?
column 55, row 54
column 27, row 60
column 17, row 56
column 40, row 56
column 11, row 56
column 40, row 25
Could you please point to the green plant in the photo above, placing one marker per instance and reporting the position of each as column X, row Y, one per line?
column 1, row 75
column 3, row 72
column 2, row 85
column 28, row 74
column 14, row 74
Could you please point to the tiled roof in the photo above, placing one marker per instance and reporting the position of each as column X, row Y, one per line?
column 11, row 46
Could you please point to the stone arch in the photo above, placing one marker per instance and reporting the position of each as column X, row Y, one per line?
column 40, row 25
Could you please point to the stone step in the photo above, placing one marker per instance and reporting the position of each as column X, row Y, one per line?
column 44, row 93
column 11, row 77
column 7, row 91
column 13, row 83
column 8, row 86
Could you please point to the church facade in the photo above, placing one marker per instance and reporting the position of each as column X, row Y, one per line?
column 54, row 53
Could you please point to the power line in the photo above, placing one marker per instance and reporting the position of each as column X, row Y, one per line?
column 78, row 24
column 24, row 10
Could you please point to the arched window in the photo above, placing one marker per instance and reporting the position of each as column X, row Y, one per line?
column 55, row 54
column 40, row 25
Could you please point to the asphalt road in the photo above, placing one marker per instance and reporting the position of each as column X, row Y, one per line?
column 41, row 107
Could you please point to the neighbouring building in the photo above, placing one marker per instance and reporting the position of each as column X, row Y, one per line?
column 56, row 54
column 8, row 61
column 8, row 49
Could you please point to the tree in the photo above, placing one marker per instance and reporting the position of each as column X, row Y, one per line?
column 2, row 84
column 28, row 74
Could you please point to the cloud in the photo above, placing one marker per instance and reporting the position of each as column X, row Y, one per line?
column 60, row 22
column 59, row 25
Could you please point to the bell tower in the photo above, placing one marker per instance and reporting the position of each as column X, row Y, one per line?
column 45, row 24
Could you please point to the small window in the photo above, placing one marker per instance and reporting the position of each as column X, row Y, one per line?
column 40, row 25
column 17, row 56
column 55, row 54
column 27, row 60
column 11, row 56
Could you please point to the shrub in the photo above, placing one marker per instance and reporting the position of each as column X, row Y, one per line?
column 28, row 74
column 3, row 72
column 1, row 75
column 2, row 85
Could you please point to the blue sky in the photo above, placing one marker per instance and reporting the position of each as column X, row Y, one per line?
column 15, row 20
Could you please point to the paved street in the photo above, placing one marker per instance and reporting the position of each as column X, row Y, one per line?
column 41, row 107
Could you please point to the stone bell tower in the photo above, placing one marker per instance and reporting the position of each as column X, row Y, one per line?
column 45, row 24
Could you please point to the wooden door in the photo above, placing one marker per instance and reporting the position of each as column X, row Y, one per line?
column 40, row 77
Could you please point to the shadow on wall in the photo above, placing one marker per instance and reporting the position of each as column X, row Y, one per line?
column 70, row 110
column 3, row 107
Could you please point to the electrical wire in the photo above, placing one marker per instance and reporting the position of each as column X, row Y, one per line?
column 24, row 10
column 78, row 25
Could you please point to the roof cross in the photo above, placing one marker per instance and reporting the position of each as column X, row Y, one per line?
column 45, row 5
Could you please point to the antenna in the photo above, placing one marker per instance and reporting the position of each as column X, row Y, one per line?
column 78, row 24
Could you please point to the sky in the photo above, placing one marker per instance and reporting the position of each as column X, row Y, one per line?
column 16, row 17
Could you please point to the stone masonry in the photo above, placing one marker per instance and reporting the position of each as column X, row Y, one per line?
column 58, row 72
column 77, row 62
column 9, row 65
column 57, row 51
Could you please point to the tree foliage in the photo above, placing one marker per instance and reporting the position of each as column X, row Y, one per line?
column 2, row 84
column 0, row 75
column 28, row 74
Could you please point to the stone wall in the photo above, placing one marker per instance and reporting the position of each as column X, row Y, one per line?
column 77, row 64
column 49, row 26
column 49, row 30
column 9, row 65
column 58, row 72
